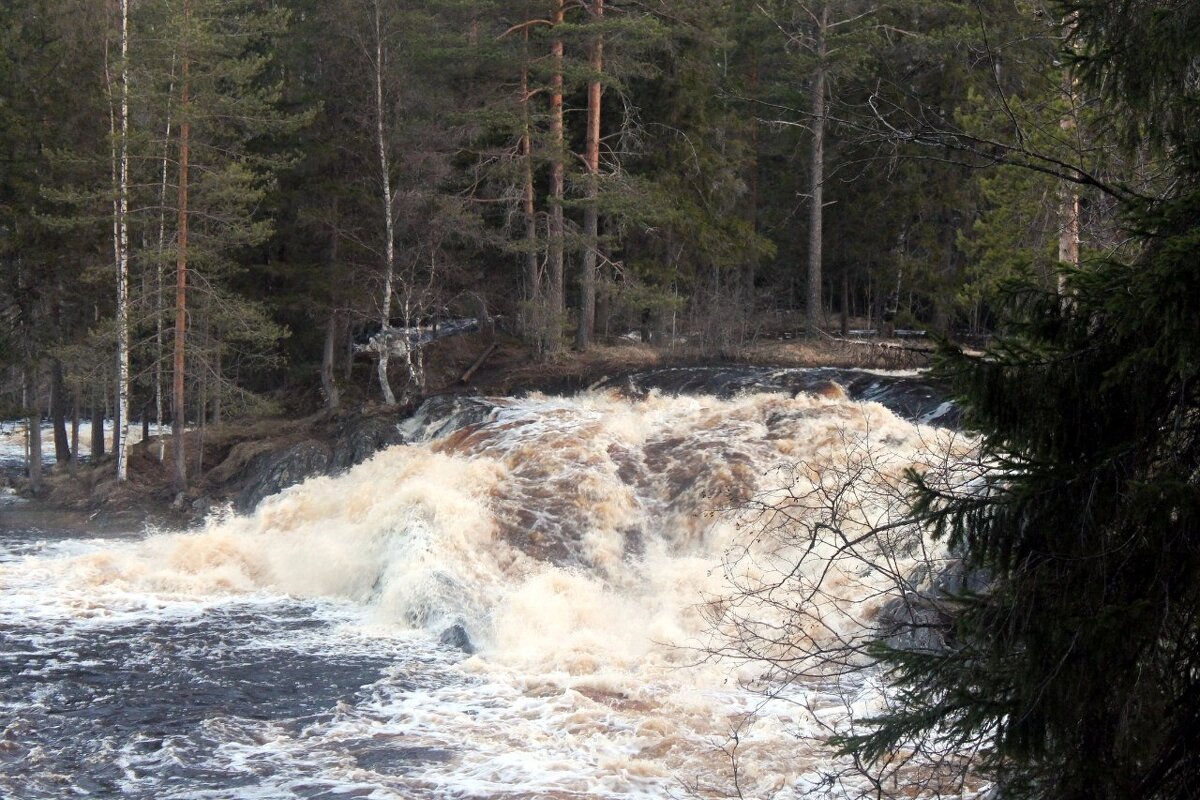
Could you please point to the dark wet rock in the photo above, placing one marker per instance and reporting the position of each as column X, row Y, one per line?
column 273, row 471
column 957, row 579
column 920, row 620
column 456, row 636
column 443, row 414
column 635, row 543
column 359, row 438
column 270, row 471
column 916, row 622
column 914, row 397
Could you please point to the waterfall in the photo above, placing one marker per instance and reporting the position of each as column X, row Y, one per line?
column 597, row 550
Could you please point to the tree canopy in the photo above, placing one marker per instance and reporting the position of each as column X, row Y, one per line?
column 1076, row 671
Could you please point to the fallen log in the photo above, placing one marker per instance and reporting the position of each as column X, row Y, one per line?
column 894, row 346
column 883, row 345
column 466, row 376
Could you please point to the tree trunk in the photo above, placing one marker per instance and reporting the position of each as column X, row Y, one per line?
column 179, row 415
column 892, row 309
column 389, row 266
column 328, row 385
column 120, row 429
column 845, row 302
column 536, row 318
column 600, row 330
column 117, row 438
column 750, row 268
column 159, row 281
column 200, row 392
column 58, row 413
column 74, row 432
column 348, row 362
column 1068, row 234
column 97, row 431
column 35, row 428
column 329, row 388
column 1068, row 240
column 591, row 212
column 218, row 380
column 817, row 174
column 557, row 182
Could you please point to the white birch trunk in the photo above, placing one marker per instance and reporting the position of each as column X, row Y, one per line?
column 414, row 364
column 390, row 243
column 123, row 259
column 159, row 306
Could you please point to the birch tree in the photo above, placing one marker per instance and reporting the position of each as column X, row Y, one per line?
column 389, row 221
column 120, row 158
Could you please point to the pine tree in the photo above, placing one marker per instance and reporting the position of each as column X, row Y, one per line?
column 216, row 56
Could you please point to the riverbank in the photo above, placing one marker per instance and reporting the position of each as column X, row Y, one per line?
column 237, row 463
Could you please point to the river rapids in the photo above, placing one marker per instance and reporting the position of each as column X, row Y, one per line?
column 539, row 597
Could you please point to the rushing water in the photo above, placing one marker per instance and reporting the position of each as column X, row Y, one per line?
column 581, row 544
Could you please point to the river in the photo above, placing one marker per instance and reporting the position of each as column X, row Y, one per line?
column 532, row 599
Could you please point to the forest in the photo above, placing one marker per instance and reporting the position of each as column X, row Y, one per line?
column 217, row 211
column 206, row 201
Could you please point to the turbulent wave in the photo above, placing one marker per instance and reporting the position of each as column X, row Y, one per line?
column 595, row 549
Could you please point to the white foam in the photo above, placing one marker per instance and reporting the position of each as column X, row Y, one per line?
column 586, row 545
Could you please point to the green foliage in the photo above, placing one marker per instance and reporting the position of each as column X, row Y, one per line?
column 1076, row 673
column 1015, row 236
column 704, row 149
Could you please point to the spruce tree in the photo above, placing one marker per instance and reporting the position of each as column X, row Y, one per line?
column 1076, row 671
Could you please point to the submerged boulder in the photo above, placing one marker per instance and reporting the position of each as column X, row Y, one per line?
column 456, row 636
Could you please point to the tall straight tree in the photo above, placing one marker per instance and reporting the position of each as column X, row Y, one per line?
column 591, row 210
column 830, row 39
column 216, row 54
column 120, row 150
column 388, row 209
column 814, row 310
column 179, row 398
column 557, row 173
column 532, row 273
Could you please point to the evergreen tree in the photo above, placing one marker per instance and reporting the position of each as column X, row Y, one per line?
column 216, row 58
column 1077, row 670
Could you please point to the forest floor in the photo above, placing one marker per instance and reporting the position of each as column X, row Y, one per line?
column 225, row 459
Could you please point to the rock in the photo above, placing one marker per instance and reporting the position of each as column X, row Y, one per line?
column 359, row 438
column 916, row 622
column 957, row 579
column 443, row 414
column 920, row 620
column 272, row 472
column 456, row 636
